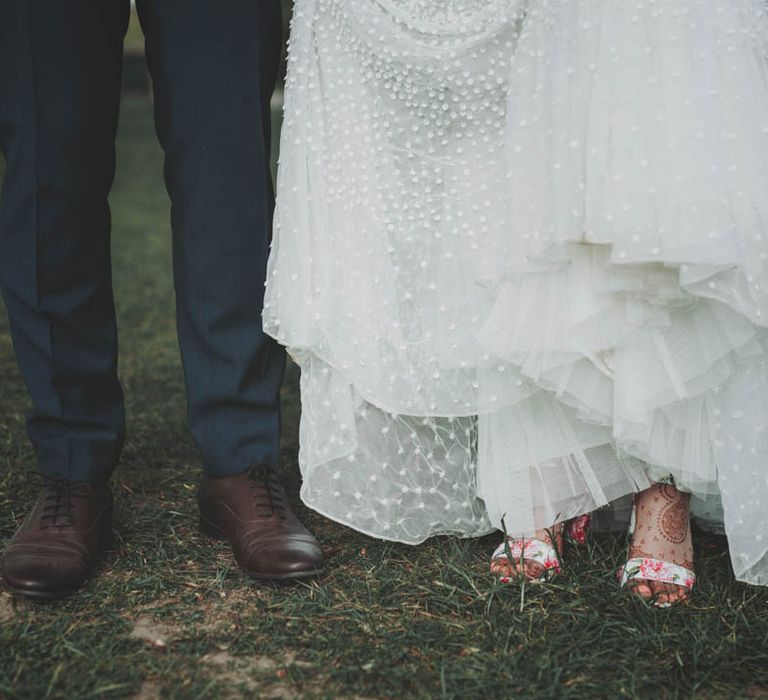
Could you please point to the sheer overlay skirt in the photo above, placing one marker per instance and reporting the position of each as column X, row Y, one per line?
column 520, row 256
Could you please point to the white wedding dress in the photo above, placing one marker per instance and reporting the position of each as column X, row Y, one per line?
column 521, row 257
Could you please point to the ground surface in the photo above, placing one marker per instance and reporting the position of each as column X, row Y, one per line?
column 171, row 617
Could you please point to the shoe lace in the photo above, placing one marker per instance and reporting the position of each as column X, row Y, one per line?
column 267, row 493
column 59, row 497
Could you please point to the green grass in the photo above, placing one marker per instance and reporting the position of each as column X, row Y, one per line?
column 170, row 615
column 134, row 39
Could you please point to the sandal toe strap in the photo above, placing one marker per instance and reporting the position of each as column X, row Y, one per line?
column 531, row 550
column 657, row 570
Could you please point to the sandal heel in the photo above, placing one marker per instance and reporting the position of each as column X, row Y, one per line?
column 578, row 529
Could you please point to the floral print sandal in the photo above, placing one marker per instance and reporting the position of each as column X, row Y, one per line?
column 539, row 551
column 521, row 551
column 665, row 524
column 536, row 558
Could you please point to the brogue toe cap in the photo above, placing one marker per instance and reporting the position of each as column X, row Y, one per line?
column 286, row 558
column 43, row 573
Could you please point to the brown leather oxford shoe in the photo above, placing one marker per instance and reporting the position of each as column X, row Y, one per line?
column 250, row 510
column 54, row 552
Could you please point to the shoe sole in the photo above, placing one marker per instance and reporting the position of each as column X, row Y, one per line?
column 41, row 596
column 208, row 529
column 298, row 576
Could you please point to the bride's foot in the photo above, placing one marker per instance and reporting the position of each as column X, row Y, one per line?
column 661, row 547
column 533, row 558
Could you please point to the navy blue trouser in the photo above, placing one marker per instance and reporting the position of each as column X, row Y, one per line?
column 213, row 66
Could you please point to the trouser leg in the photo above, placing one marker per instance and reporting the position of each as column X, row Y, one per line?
column 60, row 65
column 214, row 67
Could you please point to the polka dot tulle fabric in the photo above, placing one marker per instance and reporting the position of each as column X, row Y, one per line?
column 520, row 255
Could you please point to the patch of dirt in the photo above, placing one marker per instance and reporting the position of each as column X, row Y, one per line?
column 219, row 658
column 242, row 663
column 227, row 611
column 255, row 672
column 235, row 671
column 150, row 690
column 7, row 612
column 158, row 634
